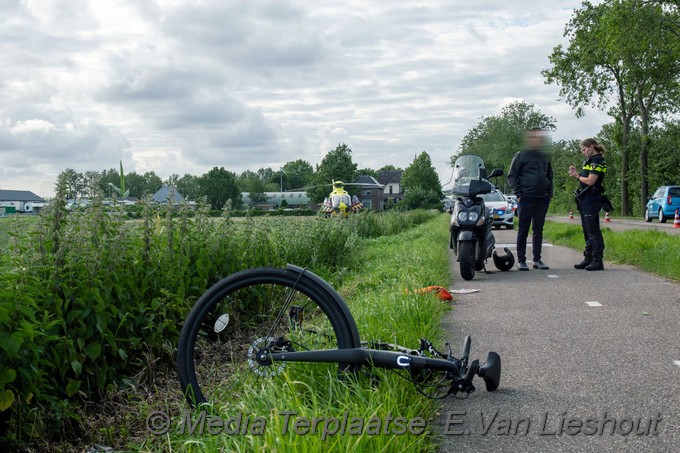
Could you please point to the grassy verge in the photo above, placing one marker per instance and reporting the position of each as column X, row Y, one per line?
column 374, row 290
column 651, row 251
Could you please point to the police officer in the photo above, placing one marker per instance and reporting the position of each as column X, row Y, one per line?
column 589, row 202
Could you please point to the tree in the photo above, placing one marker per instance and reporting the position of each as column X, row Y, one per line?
column 250, row 182
column 297, row 174
column 421, row 174
column 626, row 50
column 650, row 50
column 664, row 168
column 91, row 183
column 152, row 183
column 73, row 182
column 135, row 185
column 389, row 167
column 336, row 165
column 367, row 172
column 189, row 186
column 591, row 72
column 172, row 181
column 497, row 138
column 219, row 185
column 109, row 178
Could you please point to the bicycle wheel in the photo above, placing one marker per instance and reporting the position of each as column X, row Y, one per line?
column 280, row 309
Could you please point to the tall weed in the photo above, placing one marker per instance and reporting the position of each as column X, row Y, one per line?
column 89, row 298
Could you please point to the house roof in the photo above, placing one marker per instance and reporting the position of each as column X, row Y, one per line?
column 19, row 195
column 164, row 192
column 390, row 176
column 367, row 180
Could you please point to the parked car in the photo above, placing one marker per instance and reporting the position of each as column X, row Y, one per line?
column 501, row 209
column 513, row 200
column 663, row 203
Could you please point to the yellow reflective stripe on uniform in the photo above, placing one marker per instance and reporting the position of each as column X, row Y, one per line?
column 597, row 168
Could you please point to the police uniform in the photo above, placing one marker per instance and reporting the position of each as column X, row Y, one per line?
column 590, row 204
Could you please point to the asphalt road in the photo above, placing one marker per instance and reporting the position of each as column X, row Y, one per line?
column 583, row 353
column 625, row 224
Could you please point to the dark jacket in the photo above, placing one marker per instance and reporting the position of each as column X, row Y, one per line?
column 531, row 174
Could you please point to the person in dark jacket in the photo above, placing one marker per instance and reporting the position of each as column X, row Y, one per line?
column 590, row 200
column 531, row 179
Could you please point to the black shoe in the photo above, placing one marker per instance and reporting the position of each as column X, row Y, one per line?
column 583, row 264
column 595, row 266
column 522, row 266
column 540, row 265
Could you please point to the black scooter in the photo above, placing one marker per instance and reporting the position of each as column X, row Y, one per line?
column 471, row 222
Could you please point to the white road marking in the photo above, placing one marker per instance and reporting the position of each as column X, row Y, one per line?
column 553, row 276
column 677, row 362
column 645, row 284
column 593, row 304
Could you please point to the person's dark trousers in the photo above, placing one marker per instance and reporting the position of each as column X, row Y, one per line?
column 532, row 212
column 592, row 234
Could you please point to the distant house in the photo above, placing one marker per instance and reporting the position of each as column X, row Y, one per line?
column 391, row 179
column 371, row 192
column 164, row 194
column 294, row 200
column 20, row 201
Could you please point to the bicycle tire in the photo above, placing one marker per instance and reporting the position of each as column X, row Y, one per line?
column 245, row 310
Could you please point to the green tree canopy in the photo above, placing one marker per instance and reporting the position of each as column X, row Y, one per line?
column 219, row 185
column 189, row 186
column 497, row 138
column 422, row 174
column 297, row 174
column 336, row 165
column 622, row 54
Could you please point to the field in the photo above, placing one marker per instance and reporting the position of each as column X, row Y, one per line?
column 91, row 306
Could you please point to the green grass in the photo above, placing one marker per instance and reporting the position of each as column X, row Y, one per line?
column 375, row 291
column 650, row 250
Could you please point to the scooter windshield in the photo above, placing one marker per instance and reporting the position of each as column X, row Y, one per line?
column 469, row 176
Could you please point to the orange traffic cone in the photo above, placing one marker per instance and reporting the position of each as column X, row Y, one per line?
column 676, row 222
column 571, row 215
column 606, row 217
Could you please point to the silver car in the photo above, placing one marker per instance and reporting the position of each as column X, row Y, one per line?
column 501, row 209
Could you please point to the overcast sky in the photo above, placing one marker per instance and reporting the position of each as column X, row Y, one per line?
column 181, row 86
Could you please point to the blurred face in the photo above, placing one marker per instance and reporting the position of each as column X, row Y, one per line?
column 535, row 139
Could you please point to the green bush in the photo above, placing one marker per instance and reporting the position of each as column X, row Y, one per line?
column 89, row 298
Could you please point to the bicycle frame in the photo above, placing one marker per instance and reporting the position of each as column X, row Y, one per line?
column 459, row 371
column 361, row 356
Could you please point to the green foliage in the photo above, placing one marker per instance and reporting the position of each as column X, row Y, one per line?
column 422, row 174
column 497, row 138
column 419, row 198
column 623, row 55
column 374, row 288
column 88, row 299
column 337, row 165
column 297, row 174
column 218, row 186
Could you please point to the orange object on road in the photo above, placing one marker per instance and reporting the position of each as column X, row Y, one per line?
column 439, row 291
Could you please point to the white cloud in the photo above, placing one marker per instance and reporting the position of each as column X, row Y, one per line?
column 181, row 86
